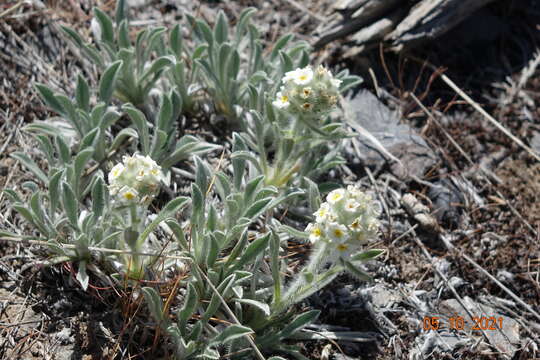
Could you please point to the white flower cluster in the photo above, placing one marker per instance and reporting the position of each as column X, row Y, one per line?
column 346, row 221
column 308, row 92
column 136, row 180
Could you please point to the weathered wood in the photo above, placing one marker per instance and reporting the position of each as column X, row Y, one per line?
column 356, row 18
column 430, row 19
column 398, row 23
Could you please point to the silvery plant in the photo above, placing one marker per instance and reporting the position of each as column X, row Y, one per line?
column 106, row 201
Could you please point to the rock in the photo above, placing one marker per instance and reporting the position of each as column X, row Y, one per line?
column 503, row 339
column 535, row 142
column 400, row 140
column 381, row 296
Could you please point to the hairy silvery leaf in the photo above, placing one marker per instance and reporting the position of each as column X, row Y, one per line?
column 71, row 205
column 356, row 272
column 230, row 333
column 30, row 165
column 121, row 12
column 168, row 211
column 299, row 322
column 139, row 120
column 367, row 255
column 256, row 247
column 106, row 26
column 155, row 304
column 82, row 93
column 223, row 289
column 221, row 29
column 108, row 81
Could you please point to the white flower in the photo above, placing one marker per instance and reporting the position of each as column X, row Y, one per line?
column 337, row 232
column 303, row 76
column 351, row 206
column 136, row 179
column 282, row 101
column 321, row 215
column 128, row 194
column 116, row 171
column 315, row 232
column 335, row 196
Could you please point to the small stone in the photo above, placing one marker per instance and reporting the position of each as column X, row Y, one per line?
column 397, row 138
column 503, row 339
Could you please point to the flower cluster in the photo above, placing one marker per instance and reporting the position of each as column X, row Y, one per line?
column 308, row 92
column 346, row 221
column 136, row 180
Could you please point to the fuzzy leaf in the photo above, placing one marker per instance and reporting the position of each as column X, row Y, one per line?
column 155, row 304
column 368, row 255
column 70, row 203
column 30, row 165
column 230, row 333
column 106, row 25
column 108, row 81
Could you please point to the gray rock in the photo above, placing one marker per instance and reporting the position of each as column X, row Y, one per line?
column 397, row 138
column 503, row 338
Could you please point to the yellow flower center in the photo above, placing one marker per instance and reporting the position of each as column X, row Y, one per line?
column 342, row 247
column 129, row 195
column 316, row 232
column 303, row 77
column 338, row 233
column 284, row 98
column 355, row 225
column 336, row 196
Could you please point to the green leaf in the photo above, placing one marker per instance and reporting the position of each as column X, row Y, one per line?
column 356, row 272
column 299, row 322
column 70, row 203
column 108, row 81
column 204, row 31
column 121, row 12
column 49, row 99
column 253, row 250
column 122, row 136
column 257, row 208
column 166, row 212
column 293, row 232
column 98, row 197
column 221, row 29
column 73, row 36
column 81, row 160
column 155, row 304
column 30, row 165
column 190, row 302
column 230, row 333
column 106, row 25
column 367, row 255
column 54, row 191
column 158, row 65
column 258, row 304
column 176, row 42
column 82, row 93
column 280, row 44
column 139, row 120
column 165, row 114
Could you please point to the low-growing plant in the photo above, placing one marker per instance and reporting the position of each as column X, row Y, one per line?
column 238, row 302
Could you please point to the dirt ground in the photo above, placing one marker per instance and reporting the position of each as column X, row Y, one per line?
column 465, row 243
